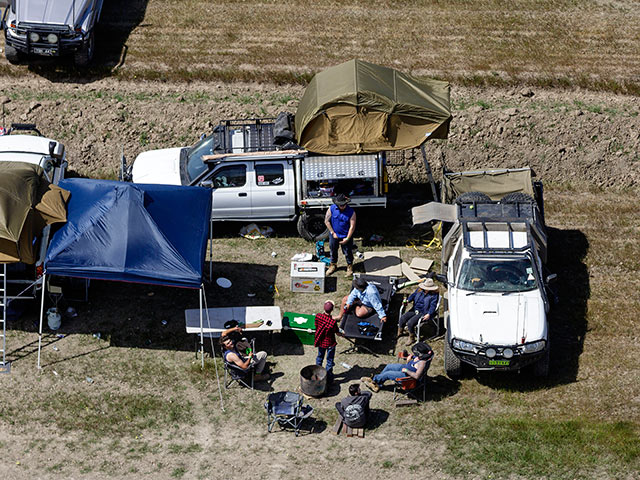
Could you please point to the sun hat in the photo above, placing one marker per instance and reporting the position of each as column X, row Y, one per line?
column 428, row 284
column 341, row 200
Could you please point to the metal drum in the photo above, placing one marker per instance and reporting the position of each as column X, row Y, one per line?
column 313, row 380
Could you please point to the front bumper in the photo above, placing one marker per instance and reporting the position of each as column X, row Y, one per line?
column 480, row 361
column 68, row 41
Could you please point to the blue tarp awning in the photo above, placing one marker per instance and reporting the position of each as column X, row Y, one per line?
column 133, row 233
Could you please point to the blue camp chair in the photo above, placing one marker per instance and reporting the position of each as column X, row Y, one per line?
column 287, row 410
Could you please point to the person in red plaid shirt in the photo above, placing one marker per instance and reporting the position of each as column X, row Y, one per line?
column 325, row 338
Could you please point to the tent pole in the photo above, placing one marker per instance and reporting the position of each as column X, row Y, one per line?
column 201, row 330
column 213, row 349
column 434, row 192
column 44, row 288
column 210, row 249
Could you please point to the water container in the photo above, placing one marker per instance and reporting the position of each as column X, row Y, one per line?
column 53, row 318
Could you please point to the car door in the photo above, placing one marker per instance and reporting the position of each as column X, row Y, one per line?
column 272, row 190
column 230, row 191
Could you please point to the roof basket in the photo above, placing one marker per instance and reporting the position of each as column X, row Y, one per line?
column 244, row 135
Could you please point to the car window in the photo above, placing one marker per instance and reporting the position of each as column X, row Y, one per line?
column 230, row 176
column 195, row 165
column 499, row 275
column 269, row 174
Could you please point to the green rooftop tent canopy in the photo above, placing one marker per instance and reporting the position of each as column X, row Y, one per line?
column 28, row 203
column 360, row 107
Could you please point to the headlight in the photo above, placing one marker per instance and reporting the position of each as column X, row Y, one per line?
column 507, row 353
column 52, row 38
column 533, row 347
column 490, row 353
column 34, row 37
column 462, row 345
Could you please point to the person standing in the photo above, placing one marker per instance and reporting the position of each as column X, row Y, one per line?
column 341, row 222
column 325, row 338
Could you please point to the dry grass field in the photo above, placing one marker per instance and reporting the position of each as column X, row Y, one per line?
column 133, row 401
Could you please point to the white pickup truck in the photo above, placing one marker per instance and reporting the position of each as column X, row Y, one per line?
column 493, row 263
column 252, row 181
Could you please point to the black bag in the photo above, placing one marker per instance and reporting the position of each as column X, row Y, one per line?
column 366, row 328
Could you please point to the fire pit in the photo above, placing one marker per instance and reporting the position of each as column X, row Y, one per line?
column 313, row 380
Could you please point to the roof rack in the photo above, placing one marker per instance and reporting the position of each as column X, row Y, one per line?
column 244, row 135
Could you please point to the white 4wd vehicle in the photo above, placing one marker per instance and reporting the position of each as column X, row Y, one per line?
column 493, row 265
column 36, row 149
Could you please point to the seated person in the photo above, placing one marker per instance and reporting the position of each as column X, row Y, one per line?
column 364, row 299
column 416, row 367
column 354, row 409
column 425, row 301
column 244, row 360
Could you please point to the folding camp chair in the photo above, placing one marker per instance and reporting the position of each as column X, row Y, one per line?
column 243, row 377
column 286, row 409
column 435, row 321
column 412, row 387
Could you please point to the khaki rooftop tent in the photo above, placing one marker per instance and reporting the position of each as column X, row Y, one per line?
column 28, row 202
column 360, row 107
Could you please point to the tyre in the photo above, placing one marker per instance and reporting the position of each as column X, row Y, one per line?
column 13, row 56
column 452, row 364
column 311, row 227
column 470, row 197
column 517, row 197
column 83, row 57
column 541, row 367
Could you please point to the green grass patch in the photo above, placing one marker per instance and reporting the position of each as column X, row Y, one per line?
column 577, row 448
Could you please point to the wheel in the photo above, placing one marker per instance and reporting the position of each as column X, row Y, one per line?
column 311, row 227
column 541, row 367
column 470, row 197
column 12, row 54
column 452, row 364
column 84, row 56
column 517, row 197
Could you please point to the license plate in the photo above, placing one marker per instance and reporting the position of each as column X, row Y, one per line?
column 45, row 51
column 499, row 363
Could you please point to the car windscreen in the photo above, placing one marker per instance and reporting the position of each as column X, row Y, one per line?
column 195, row 165
column 497, row 275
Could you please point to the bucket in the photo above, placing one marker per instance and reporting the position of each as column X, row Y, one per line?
column 53, row 318
column 313, row 380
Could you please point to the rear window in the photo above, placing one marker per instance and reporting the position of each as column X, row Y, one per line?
column 269, row 174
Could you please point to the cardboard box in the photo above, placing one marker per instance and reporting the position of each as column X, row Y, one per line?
column 307, row 277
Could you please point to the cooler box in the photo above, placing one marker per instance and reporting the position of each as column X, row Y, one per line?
column 299, row 327
column 307, row 277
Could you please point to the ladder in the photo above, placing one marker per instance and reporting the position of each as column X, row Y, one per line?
column 5, row 367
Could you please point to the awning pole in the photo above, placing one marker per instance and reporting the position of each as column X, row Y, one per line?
column 44, row 288
column 434, row 192
column 201, row 329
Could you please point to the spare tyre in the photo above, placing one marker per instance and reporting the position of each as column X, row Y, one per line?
column 312, row 227
column 517, row 197
column 470, row 197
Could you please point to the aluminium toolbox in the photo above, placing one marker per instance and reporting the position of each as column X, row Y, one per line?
column 299, row 327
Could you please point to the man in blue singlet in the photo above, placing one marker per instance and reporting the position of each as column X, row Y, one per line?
column 341, row 222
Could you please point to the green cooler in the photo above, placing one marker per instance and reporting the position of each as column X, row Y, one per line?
column 299, row 327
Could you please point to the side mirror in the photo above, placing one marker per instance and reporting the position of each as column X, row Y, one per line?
column 552, row 278
column 441, row 278
column 207, row 183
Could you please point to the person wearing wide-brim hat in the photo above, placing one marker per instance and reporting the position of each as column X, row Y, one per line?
column 425, row 302
column 341, row 222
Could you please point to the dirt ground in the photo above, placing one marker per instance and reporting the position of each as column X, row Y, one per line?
column 568, row 137
column 134, row 402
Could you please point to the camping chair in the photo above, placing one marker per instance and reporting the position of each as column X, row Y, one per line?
column 233, row 373
column 435, row 321
column 412, row 387
column 286, row 409
column 349, row 325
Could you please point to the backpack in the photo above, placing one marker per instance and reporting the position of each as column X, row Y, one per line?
column 353, row 414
